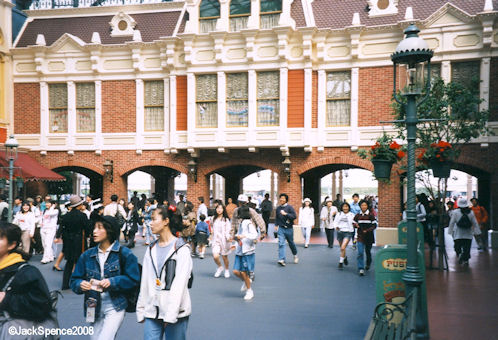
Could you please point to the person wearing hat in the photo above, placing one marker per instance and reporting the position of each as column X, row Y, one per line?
column 462, row 232
column 256, row 218
column 99, row 275
column 327, row 215
column 306, row 220
column 73, row 224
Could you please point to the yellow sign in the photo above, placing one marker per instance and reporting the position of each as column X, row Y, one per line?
column 394, row 264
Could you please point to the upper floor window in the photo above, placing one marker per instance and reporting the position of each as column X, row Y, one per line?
column 85, row 107
column 57, row 107
column 209, row 12
column 154, row 105
column 207, row 100
column 240, row 10
column 466, row 73
column 270, row 13
column 237, row 103
column 268, row 98
column 338, row 98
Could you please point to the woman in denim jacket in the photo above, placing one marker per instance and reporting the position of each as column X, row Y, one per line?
column 98, row 275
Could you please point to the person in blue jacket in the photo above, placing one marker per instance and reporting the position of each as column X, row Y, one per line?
column 99, row 275
column 284, row 223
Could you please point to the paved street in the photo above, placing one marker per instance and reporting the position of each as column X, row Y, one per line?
column 310, row 300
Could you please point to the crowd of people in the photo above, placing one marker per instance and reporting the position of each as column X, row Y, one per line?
column 109, row 276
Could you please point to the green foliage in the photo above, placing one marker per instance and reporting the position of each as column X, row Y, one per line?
column 385, row 148
column 61, row 188
column 457, row 108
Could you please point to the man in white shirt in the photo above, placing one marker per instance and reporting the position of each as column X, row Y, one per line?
column 112, row 208
column 4, row 207
column 202, row 210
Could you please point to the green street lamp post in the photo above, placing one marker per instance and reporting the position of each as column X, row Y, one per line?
column 414, row 55
column 11, row 153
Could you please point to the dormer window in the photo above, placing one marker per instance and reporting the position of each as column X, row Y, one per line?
column 209, row 13
column 240, row 10
column 382, row 7
column 122, row 25
column 270, row 13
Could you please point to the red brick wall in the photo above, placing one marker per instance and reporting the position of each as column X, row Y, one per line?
column 181, row 103
column 295, row 99
column 119, row 106
column 26, row 108
column 314, row 100
column 493, row 90
column 3, row 135
column 375, row 91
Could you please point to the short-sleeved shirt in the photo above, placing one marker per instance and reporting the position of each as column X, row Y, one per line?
column 161, row 253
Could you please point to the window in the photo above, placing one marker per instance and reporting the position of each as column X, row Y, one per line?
column 338, row 99
column 466, row 73
column 57, row 107
column 240, row 10
column 154, row 105
column 85, row 107
column 268, row 98
column 237, row 104
column 435, row 72
column 209, row 12
column 270, row 13
column 207, row 100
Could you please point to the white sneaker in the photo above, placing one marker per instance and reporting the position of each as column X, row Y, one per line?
column 218, row 272
column 296, row 259
column 249, row 295
column 227, row 273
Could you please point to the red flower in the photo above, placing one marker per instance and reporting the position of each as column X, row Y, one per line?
column 401, row 154
column 421, row 155
column 438, row 156
column 394, row 146
column 441, row 150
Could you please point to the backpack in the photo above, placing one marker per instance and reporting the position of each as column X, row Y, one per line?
column 464, row 221
column 119, row 218
column 132, row 294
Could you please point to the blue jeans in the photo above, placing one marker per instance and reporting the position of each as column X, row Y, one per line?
column 155, row 329
column 362, row 247
column 285, row 234
column 109, row 321
column 149, row 237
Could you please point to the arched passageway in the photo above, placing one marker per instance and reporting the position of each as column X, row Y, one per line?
column 80, row 181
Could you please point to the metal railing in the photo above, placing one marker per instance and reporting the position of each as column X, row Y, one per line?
column 49, row 4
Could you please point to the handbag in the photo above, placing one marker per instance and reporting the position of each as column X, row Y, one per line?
column 7, row 323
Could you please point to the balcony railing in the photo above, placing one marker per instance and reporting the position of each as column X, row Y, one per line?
column 49, row 4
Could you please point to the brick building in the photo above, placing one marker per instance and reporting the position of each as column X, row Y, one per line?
column 234, row 87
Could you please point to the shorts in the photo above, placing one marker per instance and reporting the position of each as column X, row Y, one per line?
column 201, row 238
column 244, row 263
column 341, row 235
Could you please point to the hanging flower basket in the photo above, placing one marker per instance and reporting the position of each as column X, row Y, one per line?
column 440, row 169
column 382, row 168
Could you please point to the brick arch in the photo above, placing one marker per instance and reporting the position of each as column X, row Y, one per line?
column 348, row 160
column 66, row 164
column 468, row 164
column 225, row 164
column 130, row 167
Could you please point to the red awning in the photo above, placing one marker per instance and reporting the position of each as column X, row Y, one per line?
column 28, row 169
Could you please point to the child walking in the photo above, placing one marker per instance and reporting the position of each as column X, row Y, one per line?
column 245, row 253
column 201, row 235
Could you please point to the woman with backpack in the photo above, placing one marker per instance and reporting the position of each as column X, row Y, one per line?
column 463, row 226
column 24, row 293
column 105, row 274
column 164, row 299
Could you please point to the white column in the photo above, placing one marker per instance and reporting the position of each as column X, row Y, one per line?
column 71, row 114
column 166, row 111
column 191, row 109
column 98, row 115
column 341, row 184
column 484, row 84
column 355, row 135
column 140, row 114
column 322, row 83
column 308, row 100
column 470, row 194
column 334, row 188
column 221, row 109
column 222, row 23
column 44, row 115
column 446, row 71
column 283, row 105
column 172, row 111
column 253, row 104
column 253, row 20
